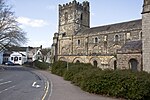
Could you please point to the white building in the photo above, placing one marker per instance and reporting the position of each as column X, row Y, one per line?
column 18, row 57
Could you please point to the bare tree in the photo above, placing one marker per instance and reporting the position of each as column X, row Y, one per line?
column 10, row 32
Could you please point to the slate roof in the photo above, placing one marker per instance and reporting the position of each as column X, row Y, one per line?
column 132, row 46
column 135, row 24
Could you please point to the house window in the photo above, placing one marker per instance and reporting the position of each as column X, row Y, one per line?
column 79, row 42
column 19, row 58
column 11, row 58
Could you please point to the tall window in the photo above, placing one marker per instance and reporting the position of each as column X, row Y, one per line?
column 116, row 39
column 78, row 42
column 105, row 38
column 96, row 40
column 81, row 17
column 66, row 16
column 140, row 36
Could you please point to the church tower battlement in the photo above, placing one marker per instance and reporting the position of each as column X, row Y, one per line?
column 73, row 16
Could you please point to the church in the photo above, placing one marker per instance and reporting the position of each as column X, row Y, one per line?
column 123, row 45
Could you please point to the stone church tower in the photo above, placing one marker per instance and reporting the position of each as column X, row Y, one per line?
column 146, row 35
column 73, row 17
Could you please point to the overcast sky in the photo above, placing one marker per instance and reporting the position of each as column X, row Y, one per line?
column 39, row 18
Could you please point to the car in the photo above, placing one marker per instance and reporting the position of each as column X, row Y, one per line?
column 9, row 63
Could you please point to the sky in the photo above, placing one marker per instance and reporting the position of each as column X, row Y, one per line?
column 39, row 18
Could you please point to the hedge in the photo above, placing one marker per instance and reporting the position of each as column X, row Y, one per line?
column 119, row 83
column 41, row 65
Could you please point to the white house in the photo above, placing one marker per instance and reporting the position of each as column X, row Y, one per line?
column 18, row 57
column 38, row 55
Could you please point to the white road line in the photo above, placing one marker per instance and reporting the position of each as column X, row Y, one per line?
column 7, row 89
column 35, row 85
column 5, row 82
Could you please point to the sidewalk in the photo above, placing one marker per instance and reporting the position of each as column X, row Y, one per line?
column 64, row 90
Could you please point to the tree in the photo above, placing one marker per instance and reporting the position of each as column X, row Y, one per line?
column 10, row 32
column 45, row 53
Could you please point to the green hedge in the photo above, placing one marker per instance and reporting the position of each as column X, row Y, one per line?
column 59, row 68
column 120, row 83
column 41, row 65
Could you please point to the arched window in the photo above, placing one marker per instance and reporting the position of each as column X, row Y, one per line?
column 133, row 64
column 95, row 63
column 77, row 61
column 116, row 39
column 95, row 40
column 115, row 65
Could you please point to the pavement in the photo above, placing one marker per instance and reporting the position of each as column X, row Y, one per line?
column 64, row 90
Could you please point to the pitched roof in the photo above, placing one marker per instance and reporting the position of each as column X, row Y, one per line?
column 132, row 46
column 135, row 24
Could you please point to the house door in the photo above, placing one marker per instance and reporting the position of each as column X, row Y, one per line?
column 133, row 63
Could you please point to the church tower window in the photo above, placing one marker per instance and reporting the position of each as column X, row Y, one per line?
column 66, row 16
column 81, row 17
column 78, row 42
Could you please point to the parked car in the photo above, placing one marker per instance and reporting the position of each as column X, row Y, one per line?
column 9, row 63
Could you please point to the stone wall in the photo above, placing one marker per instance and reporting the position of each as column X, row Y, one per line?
column 123, row 60
column 146, row 36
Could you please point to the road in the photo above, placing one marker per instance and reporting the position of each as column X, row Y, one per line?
column 21, row 83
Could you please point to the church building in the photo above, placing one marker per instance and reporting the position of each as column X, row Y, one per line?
column 123, row 45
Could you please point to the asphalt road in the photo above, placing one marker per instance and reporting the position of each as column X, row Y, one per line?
column 21, row 83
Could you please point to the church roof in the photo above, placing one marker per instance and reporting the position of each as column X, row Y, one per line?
column 124, row 26
column 132, row 46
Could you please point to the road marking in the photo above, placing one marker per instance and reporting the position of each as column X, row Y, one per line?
column 35, row 85
column 5, row 82
column 7, row 89
column 47, row 87
column 51, row 89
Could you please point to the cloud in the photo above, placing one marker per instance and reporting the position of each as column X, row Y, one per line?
column 32, row 22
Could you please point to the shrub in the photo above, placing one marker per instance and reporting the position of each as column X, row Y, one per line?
column 59, row 68
column 41, row 65
column 119, row 83
column 75, row 68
